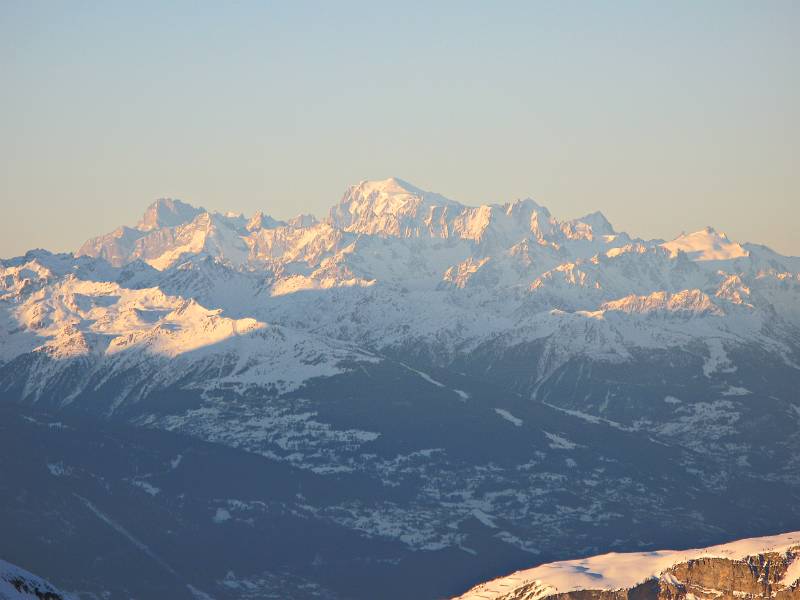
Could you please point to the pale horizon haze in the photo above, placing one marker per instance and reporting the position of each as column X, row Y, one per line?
column 667, row 117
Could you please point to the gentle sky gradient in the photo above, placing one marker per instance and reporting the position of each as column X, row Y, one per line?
column 667, row 116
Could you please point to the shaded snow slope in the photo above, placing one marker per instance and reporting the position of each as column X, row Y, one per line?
column 18, row 584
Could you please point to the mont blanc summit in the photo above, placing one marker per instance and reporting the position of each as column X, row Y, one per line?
column 409, row 389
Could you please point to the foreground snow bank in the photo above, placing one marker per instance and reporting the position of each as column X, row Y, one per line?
column 615, row 571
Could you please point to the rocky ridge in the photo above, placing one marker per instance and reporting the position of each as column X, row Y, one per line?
column 766, row 567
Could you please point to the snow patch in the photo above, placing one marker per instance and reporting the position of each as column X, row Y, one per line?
column 425, row 376
column 487, row 520
column 508, row 417
column 792, row 573
column 558, row 442
column 221, row 516
column 717, row 360
column 146, row 486
column 734, row 390
column 58, row 469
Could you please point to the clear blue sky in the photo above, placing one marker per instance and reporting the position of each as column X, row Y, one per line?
column 664, row 115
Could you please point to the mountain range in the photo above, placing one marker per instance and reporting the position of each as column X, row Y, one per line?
column 444, row 390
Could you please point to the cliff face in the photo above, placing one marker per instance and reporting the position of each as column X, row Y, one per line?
column 736, row 571
column 762, row 576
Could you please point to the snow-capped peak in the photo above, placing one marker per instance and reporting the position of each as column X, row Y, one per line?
column 393, row 186
column 389, row 206
column 261, row 221
column 167, row 212
column 598, row 222
column 706, row 244
column 302, row 220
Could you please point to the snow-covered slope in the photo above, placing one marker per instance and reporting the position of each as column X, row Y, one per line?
column 99, row 330
column 611, row 572
column 18, row 584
